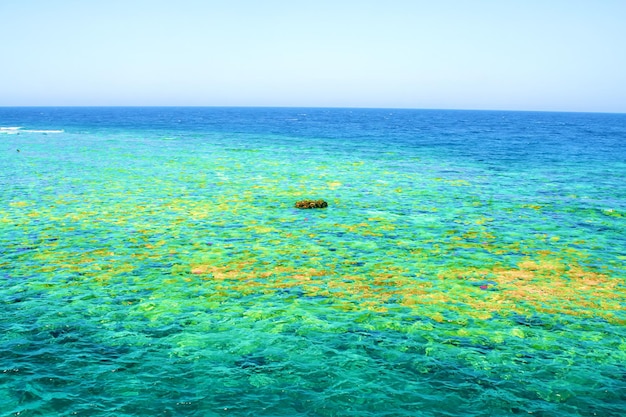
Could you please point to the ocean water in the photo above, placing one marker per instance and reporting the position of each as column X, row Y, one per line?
column 469, row 263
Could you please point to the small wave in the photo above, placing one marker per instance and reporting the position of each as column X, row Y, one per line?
column 41, row 131
column 14, row 130
column 10, row 130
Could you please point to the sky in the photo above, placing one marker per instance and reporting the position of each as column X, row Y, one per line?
column 545, row 55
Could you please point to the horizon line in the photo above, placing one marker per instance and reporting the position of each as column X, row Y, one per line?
column 305, row 107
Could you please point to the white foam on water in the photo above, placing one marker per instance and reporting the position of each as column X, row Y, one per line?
column 42, row 131
column 14, row 130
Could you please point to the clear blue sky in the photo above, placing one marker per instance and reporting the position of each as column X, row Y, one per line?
column 562, row 55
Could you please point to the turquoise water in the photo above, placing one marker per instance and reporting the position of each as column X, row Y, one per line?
column 468, row 263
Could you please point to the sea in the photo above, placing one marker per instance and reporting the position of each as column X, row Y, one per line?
column 468, row 263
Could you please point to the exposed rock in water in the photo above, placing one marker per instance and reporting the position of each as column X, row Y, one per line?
column 308, row 204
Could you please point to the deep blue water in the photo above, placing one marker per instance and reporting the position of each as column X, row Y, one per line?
column 468, row 263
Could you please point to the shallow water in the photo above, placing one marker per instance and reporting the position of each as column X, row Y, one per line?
column 468, row 263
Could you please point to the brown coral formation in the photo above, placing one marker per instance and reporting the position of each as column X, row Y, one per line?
column 309, row 204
